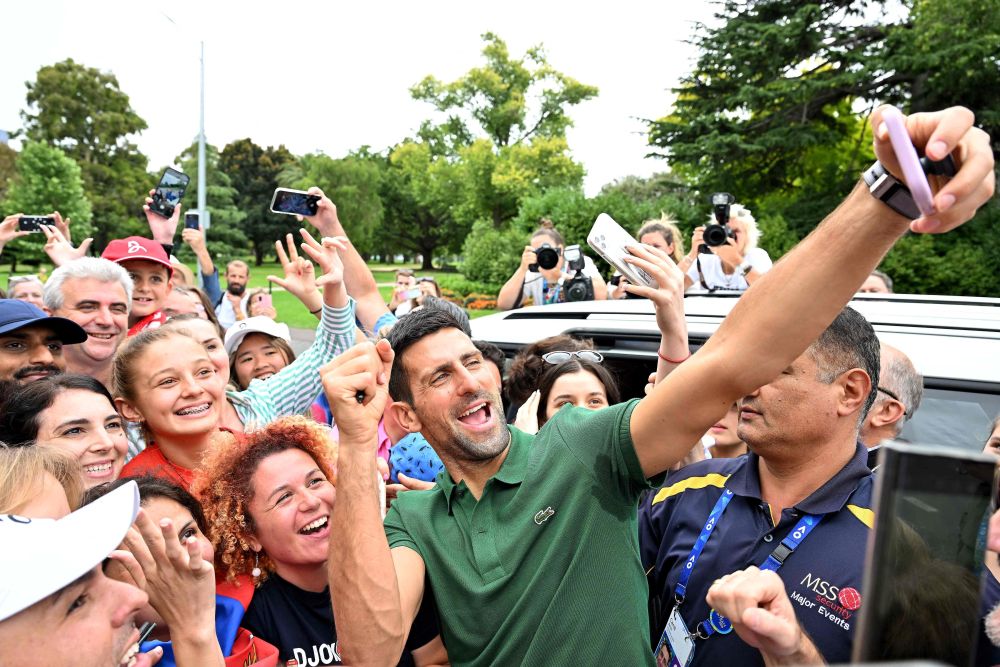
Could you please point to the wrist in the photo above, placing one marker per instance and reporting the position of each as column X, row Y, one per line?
column 674, row 354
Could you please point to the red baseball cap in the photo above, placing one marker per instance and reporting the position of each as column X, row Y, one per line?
column 120, row 251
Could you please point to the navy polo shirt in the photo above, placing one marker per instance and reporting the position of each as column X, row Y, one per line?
column 822, row 577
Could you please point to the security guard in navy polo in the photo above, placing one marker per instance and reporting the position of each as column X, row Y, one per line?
column 798, row 505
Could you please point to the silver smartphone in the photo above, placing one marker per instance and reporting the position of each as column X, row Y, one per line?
column 610, row 240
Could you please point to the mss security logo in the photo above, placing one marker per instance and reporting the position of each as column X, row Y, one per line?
column 835, row 603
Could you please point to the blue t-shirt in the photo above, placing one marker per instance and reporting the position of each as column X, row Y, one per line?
column 822, row 577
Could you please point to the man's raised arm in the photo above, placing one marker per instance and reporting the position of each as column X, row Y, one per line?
column 376, row 593
column 787, row 309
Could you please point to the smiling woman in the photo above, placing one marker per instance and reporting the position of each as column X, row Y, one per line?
column 268, row 497
column 74, row 413
column 165, row 380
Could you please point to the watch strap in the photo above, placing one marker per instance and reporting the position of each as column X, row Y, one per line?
column 890, row 191
column 893, row 193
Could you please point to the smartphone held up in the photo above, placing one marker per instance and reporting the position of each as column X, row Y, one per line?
column 294, row 202
column 33, row 223
column 169, row 192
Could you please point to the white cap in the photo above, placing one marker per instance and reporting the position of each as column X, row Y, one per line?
column 41, row 556
column 256, row 324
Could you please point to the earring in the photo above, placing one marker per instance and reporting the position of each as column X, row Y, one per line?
column 255, row 572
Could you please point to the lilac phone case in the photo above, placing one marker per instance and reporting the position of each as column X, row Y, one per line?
column 914, row 175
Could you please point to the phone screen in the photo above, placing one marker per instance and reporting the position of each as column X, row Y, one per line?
column 925, row 557
column 191, row 221
column 293, row 202
column 172, row 186
column 169, row 192
column 32, row 223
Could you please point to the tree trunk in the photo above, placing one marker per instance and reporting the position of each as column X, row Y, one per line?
column 13, row 263
column 428, row 256
column 258, row 255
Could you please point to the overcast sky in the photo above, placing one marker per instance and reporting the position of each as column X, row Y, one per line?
column 331, row 76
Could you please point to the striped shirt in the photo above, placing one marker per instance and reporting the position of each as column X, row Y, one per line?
column 291, row 390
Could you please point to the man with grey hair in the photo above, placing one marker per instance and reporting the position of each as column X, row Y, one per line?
column 96, row 294
column 878, row 282
column 900, row 389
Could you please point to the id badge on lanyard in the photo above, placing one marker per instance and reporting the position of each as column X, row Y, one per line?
column 676, row 646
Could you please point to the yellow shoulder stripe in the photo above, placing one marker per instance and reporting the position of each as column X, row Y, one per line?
column 863, row 514
column 714, row 479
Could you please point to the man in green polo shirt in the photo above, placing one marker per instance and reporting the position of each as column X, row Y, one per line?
column 529, row 542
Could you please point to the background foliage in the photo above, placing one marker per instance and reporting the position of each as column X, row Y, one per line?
column 774, row 111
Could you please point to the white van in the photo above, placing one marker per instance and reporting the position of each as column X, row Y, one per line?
column 953, row 341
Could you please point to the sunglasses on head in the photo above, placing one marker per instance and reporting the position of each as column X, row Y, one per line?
column 562, row 356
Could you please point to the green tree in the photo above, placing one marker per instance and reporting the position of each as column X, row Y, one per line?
column 418, row 194
column 84, row 112
column 505, row 122
column 254, row 173
column 775, row 110
column 225, row 238
column 46, row 180
column 353, row 183
column 7, row 170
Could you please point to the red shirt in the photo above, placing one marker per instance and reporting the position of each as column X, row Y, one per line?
column 151, row 461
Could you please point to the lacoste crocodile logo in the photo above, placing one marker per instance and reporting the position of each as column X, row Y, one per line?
column 544, row 515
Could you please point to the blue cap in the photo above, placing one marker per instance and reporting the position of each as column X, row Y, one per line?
column 16, row 314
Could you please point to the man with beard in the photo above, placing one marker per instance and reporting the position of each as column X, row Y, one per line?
column 530, row 543
column 31, row 342
column 231, row 306
column 97, row 295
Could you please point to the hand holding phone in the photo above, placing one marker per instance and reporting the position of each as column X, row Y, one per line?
column 913, row 173
column 33, row 223
column 294, row 202
column 610, row 241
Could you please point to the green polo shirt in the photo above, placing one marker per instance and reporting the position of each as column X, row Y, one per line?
column 544, row 569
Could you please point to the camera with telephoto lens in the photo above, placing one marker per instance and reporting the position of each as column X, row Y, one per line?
column 718, row 234
column 579, row 287
column 546, row 257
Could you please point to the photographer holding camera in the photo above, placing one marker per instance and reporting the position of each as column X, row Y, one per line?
column 724, row 255
column 552, row 273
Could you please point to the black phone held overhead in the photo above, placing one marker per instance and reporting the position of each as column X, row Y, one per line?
column 169, row 192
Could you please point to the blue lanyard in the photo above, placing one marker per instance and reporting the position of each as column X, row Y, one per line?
column 548, row 298
column 716, row 622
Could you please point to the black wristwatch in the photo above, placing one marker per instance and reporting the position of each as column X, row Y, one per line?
column 888, row 189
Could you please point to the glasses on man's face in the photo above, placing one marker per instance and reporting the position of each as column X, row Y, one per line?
column 17, row 280
column 893, row 396
column 562, row 356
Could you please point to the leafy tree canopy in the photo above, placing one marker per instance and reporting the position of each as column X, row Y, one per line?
column 254, row 173
column 46, row 180
column 84, row 112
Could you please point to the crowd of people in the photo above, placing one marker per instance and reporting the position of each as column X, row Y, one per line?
column 178, row 487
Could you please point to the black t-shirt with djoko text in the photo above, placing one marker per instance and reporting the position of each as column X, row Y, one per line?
column 300, row 623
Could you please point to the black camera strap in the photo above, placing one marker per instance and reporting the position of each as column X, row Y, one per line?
column 701, row 276
column 701, row 279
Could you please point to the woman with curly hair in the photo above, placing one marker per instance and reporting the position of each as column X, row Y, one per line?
column 268, row 497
